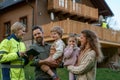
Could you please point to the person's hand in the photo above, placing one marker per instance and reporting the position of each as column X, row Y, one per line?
column 30, row 57
column 22, row 54
column 72, row 45
column 69, row 67
column 51, row 62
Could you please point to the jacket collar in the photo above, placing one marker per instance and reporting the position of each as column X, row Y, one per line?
column 13, row 36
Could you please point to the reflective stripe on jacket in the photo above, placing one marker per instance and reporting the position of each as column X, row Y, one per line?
column 9, row 49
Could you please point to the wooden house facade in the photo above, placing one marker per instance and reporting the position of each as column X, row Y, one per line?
column 72, row 15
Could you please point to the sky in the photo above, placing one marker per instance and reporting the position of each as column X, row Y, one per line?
column 115, row 8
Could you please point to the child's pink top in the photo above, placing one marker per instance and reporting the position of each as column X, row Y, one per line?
column 70, row 55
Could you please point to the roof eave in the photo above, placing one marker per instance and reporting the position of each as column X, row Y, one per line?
column 102, row 7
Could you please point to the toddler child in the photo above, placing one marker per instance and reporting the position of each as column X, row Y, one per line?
column 71, row 53
column 56, row 51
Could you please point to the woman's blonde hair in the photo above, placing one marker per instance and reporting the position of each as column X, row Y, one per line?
column 17, row 26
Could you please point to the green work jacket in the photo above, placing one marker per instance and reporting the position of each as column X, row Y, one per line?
column 10, row 62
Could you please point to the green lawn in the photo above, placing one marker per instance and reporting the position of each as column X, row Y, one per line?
column 107, row 74
column 102, row 74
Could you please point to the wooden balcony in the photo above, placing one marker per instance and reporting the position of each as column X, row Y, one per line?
column 107, row 37
column 73, row 8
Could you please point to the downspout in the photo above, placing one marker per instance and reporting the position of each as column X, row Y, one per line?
column 32, row 19
column 36, row 12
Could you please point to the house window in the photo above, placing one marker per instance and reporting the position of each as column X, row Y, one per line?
column 7, row 26
column 24, row 21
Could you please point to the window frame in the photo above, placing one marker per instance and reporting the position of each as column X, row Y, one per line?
column 21, row 19
column 7, row 25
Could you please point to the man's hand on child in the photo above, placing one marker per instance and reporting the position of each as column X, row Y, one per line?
column 51, row 62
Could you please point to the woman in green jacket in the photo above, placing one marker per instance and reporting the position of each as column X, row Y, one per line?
column 12, row 51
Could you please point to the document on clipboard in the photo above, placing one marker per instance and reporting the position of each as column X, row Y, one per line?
column 32, row 52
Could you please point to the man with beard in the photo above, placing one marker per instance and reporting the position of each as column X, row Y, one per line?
column 44, row 49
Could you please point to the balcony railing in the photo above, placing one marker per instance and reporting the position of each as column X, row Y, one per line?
column 73, row 8
column 71, row 26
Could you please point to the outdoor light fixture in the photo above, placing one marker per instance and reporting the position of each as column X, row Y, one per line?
column 52, row 16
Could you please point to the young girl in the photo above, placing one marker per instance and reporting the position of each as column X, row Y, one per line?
column 71, row 53
column 56, row 34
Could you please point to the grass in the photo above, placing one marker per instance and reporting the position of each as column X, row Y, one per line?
column 63, row 73
column 29, row 71
column 102, row 74
column 107, row 74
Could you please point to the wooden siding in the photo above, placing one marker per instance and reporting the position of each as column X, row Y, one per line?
column 71, row 26
column 67, row 6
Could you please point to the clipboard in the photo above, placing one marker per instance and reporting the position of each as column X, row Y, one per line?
column 32, row 52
